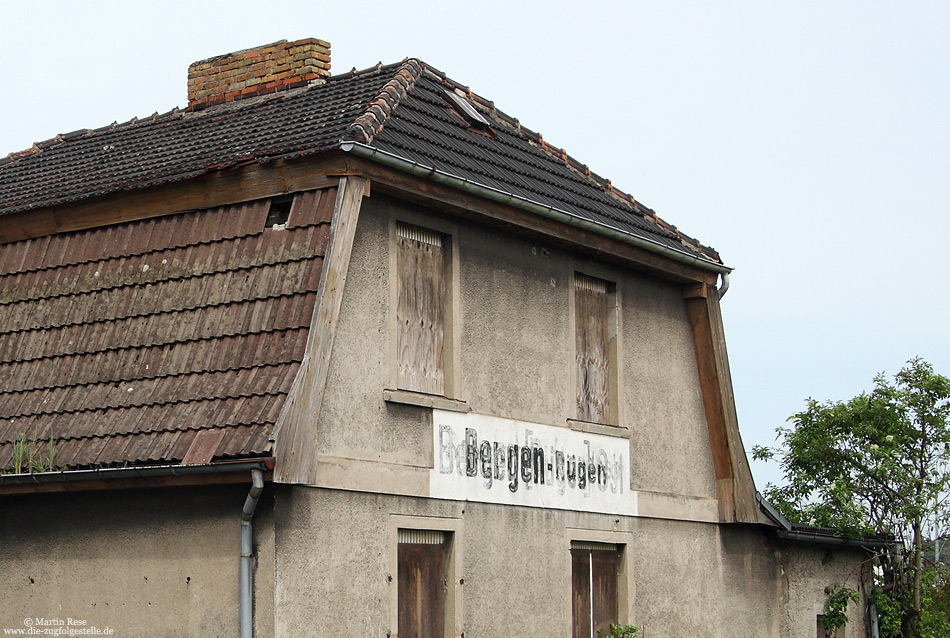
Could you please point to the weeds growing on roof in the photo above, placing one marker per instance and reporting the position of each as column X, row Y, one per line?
column 27, row 457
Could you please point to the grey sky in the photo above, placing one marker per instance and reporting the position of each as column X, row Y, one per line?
column 808, row 142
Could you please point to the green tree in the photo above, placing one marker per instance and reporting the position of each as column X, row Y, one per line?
column 876, row 464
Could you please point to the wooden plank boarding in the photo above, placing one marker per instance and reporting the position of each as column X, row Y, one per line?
column 591, row 353
column 595, row 574
column 580, row 594
column 747, row 509
column 209, row 191
column 295, row 434
column 422, row 590
column 604, row 571
column 420, row 307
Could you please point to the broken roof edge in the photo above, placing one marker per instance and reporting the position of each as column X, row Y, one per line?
column 408, row 166
column 70, row 480
column 374, row 116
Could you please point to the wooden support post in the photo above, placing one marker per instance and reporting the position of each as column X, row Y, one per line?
column 296, row 431
column 736, row 489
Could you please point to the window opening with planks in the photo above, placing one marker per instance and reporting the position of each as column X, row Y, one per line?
column 592, row 351
column 420, row 310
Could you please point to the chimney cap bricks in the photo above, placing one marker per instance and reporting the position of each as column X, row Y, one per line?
column 258, row 71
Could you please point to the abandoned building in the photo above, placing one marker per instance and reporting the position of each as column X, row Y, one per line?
column 359, row 354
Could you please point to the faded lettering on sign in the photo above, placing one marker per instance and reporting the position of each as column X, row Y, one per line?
column 489, row 459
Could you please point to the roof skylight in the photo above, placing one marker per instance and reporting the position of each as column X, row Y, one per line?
column 467, row 109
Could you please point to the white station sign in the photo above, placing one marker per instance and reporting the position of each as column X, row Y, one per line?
column 494, row 460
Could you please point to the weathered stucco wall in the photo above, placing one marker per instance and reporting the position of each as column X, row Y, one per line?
column 515, row 353
column 336, row 555
column 144, row 562
column 513, row 345
column 809, row 568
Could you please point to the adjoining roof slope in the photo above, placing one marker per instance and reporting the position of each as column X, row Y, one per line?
column 785, row 529
column 399, row 110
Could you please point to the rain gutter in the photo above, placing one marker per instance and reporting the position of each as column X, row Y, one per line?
column 823, row 538
column 788, row 531
column 142, row 471
column 415, row 168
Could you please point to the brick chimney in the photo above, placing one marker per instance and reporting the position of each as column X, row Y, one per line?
column 259, row 71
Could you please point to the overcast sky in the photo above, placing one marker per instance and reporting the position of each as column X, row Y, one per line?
column 809, row 142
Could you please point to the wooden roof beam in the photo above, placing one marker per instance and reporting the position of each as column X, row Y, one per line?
column 736, row 489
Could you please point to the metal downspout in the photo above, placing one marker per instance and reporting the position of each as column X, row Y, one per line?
column 725, row 284
column 875, row 621
column 247, row 552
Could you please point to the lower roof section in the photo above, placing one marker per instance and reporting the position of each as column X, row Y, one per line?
column 157, row 342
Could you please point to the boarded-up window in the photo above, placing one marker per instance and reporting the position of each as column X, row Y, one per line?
column 595, row 568
column 591, row 299
column 422, row 583
column 420, row 310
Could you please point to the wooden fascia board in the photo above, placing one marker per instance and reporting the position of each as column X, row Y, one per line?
column 466, row 205
column 747, row 509
column 215, row 189
column 295, row 434
column 712, row 403
column 736, row 489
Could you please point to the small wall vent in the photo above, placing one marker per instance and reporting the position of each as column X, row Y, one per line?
column 279, row 212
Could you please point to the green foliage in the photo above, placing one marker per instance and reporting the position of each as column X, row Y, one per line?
column 51, row 450
column 836, row 606
column 28, row 459
column 889, row 612
column 934, row 621
column 619, row 631
column 21, row 452
column 935, row 604
column 876, row 464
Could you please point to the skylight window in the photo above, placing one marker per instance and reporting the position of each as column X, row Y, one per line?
column 467, row 109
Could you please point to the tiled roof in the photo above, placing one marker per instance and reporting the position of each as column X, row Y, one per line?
column 398, row 109
column 181, row 145
column 425, row 129
column 176, row 339
column 167, row 340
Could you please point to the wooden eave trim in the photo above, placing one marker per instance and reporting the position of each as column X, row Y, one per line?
column 466, row 205
column 209, row 191
column 295, row 434
column 282, row 177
